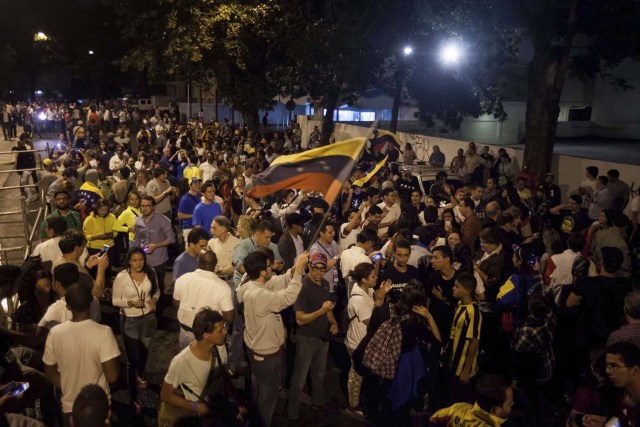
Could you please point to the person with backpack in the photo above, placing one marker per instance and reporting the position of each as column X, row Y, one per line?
column 398, row 352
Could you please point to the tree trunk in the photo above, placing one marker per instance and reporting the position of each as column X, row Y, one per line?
column 250, row 118
column 395, row 109
column 327, row 121
column 547, row 74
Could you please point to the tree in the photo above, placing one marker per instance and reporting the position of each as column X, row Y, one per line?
column 555, row 29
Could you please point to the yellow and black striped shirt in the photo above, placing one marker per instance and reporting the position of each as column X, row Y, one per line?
column 466, row 327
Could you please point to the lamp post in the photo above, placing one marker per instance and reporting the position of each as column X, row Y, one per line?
column 400, row 74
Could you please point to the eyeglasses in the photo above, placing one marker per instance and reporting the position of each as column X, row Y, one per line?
column 319, row 268
column 613, row 367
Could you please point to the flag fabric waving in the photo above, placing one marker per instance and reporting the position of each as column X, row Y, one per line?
column 322, row 169
column 370, row 173
column 384, row 137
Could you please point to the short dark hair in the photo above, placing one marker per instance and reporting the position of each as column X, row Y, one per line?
column 402, row 243
column 504, row 219
column 159, row 171
column 632, row 304
column 70, row 172
column 487, row 235
column 620, row 220
column 254, row 263
column 91, row 406
column 445, row 251
column 576, row 198
column 613, row 173
column 323, row 228
column 265, row 226
column 196, row 235
column 366, row 235
column 205, row 321
column 629, row 353
column 386, row 191
column 612, row 259
column 468, row 202
column 57, row 224
column 575, row 241
column 149, row 199
column 374, row 210
column 67, row 274
column 206, row 186
column 593, row 170
column 57, row 193
column 78, row 297
column 100, row 204
column 603, row 180
column 294, row 218
column 467, row 281
column 491, row 391
column 71, row 239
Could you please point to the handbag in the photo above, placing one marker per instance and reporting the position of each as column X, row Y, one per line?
column 169, row 415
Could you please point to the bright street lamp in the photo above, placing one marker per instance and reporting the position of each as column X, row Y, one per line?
column 408, row 50
column 451, row 53
column 40, row 37
column 90, row 52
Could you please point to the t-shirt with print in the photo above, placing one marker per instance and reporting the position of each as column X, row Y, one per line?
column 574, row 222
column 398, row 279
column 310, row 299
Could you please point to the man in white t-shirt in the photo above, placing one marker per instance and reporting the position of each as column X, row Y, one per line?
column 80, row 351
column 191, row 368
column 390, row 211
column 358, row 253
column 222, row 244
column 201, row 288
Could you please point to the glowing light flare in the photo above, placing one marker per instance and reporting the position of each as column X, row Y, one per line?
column 451, row 53
column 408, row 50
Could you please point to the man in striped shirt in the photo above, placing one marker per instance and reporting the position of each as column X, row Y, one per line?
column 465, row 337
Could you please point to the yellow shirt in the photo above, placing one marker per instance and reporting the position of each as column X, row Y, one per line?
column 192, row 171
column 96, row 225
column 126, row 219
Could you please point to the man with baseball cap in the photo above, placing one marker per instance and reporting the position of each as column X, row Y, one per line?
column 187, row 205
column 316, row 323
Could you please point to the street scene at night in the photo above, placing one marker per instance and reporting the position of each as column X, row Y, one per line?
column 320, row 213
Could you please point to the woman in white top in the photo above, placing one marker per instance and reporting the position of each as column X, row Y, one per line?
column 136, row 292
column 359, row 309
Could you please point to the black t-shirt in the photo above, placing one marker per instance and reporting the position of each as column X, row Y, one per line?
column 601, row 306
column 398, row 279
column 310, row 299
column 574, row 222
column 441, row 311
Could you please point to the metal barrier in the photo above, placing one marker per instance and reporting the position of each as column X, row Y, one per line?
column 28, row 230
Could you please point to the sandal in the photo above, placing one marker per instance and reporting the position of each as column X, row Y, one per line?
column 142, row 384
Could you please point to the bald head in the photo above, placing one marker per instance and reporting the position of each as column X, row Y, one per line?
column 207, row 260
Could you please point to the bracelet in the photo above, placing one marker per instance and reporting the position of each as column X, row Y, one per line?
column 194, row 406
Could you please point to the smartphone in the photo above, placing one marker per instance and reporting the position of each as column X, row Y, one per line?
column 145, row 249
column 377, row 257
column 532, row 260
column 613, row 422
column 104, row 250
column 15, row 388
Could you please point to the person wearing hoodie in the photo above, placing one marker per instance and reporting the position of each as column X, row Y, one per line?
column 264, row 333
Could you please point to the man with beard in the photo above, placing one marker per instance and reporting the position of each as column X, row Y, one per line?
column 61, row 202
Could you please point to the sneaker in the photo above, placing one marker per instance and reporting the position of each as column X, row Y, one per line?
column 354, row 411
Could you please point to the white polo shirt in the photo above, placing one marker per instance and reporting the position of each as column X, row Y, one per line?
column 224, row 251
column 352, row 257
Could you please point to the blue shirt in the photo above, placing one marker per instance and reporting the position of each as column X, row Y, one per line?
column 244, row 248
column 185, row 263
column 203, row 215
column 188, row 203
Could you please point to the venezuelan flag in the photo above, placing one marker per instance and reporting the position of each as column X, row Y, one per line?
column 383, row 138
column 322, row 169
column 370, row 173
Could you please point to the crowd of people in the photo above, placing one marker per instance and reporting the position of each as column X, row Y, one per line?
column 481, row 291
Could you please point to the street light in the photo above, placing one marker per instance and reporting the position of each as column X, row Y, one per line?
column 451, row 53
column 40, row 37
column 408, row 50
column 90, row 52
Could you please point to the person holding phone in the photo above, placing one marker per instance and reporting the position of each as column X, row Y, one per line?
column 136, row 292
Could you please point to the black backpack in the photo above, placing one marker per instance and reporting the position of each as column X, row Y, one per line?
column 27, row 279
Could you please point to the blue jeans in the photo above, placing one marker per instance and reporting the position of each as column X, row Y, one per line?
column 311, row 354
column 267, row 375
column 136, row 334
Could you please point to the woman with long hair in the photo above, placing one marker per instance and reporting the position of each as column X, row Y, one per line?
column 136, row 292
column 126, row 220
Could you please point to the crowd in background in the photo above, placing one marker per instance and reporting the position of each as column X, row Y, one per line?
column 459, row 296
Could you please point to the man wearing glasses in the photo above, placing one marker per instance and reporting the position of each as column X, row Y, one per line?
column 154, row 234
column 316, row 323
